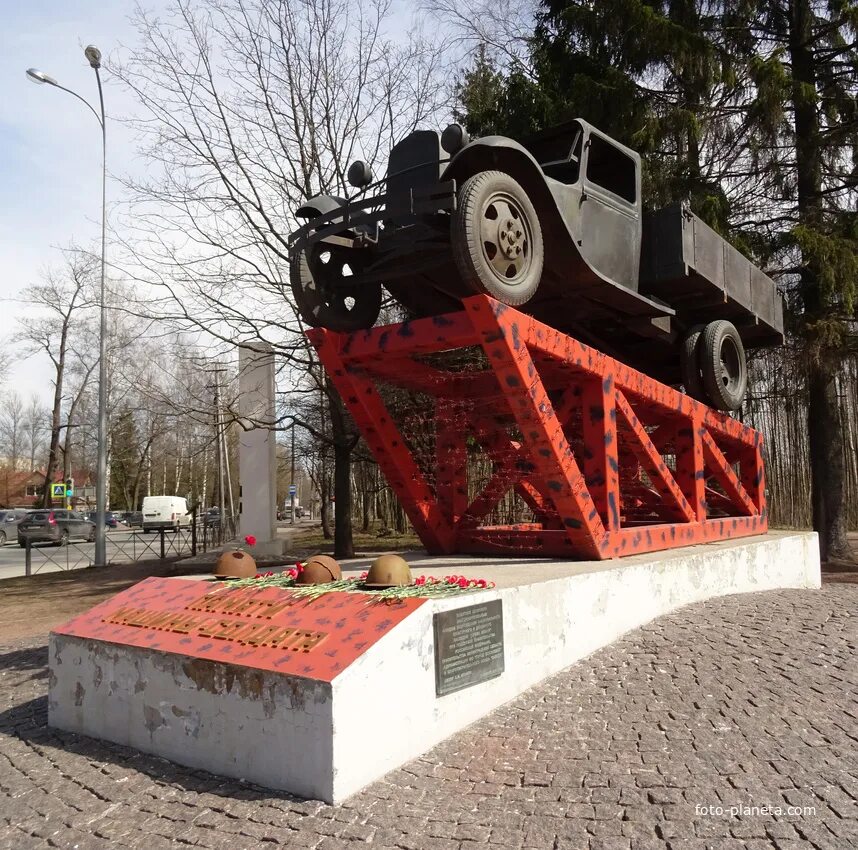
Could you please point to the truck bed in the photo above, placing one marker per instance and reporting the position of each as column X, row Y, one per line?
column 688, row 265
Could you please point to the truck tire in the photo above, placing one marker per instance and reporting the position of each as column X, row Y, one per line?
column 723, row 365
column 323, row 298
column 497, row 239
column 689, row 364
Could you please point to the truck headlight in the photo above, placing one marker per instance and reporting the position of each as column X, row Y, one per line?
column 454, row 138
column 359, row 174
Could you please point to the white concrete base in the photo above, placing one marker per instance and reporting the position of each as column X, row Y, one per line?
column 320, row 740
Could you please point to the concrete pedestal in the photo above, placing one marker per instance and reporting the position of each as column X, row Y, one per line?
column 315, row 731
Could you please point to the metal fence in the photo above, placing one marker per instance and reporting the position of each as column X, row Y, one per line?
column 68, row 557
column 138, row 545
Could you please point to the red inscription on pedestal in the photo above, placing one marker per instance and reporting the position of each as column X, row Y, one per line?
column 266, row 629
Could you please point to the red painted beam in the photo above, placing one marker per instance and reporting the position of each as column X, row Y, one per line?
column 541, row 430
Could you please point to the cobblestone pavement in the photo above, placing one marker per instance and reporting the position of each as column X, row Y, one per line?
column 747, row 700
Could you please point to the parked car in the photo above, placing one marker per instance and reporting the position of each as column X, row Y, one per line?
column 554, row 225
column 133, row 519
column 169, row 512
column 111, row 518
column 211, row 518
column 57, row 527
column 9, row 521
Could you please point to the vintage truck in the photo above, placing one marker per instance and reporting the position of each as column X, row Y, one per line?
column 554, row 225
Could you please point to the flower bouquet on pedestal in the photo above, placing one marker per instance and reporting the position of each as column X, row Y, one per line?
column 388, row 578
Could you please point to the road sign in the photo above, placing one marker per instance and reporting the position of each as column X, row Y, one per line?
column 292, row 489
column 58, row 490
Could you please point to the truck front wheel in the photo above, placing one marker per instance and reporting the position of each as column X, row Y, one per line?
column 723, row 365
column 497, row 239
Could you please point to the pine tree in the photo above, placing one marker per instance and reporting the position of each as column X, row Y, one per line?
column 748, row 108
column 805, row 70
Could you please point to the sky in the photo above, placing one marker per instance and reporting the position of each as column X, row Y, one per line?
column 50, row 148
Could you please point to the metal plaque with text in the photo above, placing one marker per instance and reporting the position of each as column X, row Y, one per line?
column 468, row 646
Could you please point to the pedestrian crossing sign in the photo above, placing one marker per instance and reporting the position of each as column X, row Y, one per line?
column 58, row 490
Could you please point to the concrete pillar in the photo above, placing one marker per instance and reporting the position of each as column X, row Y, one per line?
column 257, row 457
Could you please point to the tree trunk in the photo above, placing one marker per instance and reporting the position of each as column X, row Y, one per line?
column 343, row 541
column 825, row 431
column 325, row 515
column 47, row 499
column 366, row 500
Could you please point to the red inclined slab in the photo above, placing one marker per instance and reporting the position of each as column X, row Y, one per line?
column 263, row 628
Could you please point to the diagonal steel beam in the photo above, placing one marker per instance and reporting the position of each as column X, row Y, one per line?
column 542, row 432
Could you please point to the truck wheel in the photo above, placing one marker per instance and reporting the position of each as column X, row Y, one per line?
column 689, row 364
column 723, row 365
column 319, row 278
column 497, row 239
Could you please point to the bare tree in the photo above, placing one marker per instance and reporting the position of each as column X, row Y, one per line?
column 58, row 302
column 248, row 108
column 12, row 427
column 36, row 425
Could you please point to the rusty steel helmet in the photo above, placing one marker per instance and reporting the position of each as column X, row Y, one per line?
column 388, row 571
column 319, row 569
column 235, row 565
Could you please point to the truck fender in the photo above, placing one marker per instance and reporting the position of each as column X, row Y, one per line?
column 499, row 153
column 319, row 205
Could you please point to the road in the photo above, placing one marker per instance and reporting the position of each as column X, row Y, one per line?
column 123, row 545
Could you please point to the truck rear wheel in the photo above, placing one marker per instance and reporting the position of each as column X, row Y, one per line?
column 723, row 365
column 319, row 277
column 497, row 239
column 689, row 364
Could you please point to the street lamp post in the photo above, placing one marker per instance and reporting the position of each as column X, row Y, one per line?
column 93, row 56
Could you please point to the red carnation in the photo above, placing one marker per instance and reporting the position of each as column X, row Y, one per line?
column 462, row 582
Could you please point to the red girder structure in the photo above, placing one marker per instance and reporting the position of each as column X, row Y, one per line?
column 608, row 461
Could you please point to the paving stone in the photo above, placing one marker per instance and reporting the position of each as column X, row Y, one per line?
column 740, row 701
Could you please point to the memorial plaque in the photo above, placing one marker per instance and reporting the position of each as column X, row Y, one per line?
column 468, row 646
column 264, row 628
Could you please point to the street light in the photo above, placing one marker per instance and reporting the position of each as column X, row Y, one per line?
column 93, row 56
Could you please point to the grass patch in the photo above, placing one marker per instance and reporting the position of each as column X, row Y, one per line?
column 311, row 541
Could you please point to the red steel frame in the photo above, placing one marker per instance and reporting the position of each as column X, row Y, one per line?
column 610, row 461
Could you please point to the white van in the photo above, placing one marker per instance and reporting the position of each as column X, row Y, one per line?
column 165, row 512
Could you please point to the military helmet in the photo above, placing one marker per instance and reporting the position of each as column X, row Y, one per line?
column 388, row 571
column 319, row 569
column 236, row 564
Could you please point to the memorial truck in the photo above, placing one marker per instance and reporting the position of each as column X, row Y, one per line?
column 553, row 225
